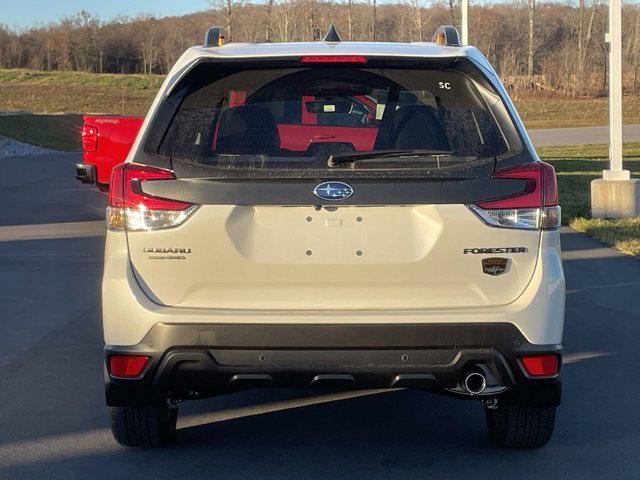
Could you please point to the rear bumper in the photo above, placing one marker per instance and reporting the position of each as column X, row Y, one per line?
column 86, row 173
column 201, row 360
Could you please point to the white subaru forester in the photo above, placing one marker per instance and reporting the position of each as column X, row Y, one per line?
column 333, row 214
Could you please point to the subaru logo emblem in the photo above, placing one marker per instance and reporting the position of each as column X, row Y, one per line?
column 333, row 190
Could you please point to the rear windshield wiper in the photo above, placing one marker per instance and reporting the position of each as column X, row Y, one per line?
column 339, row 159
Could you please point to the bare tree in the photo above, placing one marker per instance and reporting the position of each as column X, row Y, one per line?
column 417, row 12
column 531, row 9
column 149, row 33
column 269, row 20
column 350, row 19
column 452, row 10
column 83, row 44
column 584, row 37
column 374, row 21
column 285, row 18
column 313, row 27
column 567, row 31
column 227, row 7
column 48, row 50
column 636, row 50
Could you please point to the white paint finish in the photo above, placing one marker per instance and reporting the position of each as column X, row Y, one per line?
column 464, row 6
column 616, row 175
column 615, row 91
column 402, row 257
column 293, row 49
column 297, row 288
column 128, row 313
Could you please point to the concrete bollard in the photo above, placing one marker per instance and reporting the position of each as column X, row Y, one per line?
column 615, row 198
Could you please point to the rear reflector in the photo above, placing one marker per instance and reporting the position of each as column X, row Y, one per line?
column 540, row 365
column 131, row 208
column 127, row 365
column 333, row 59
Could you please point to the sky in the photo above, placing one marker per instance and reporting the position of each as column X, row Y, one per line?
column 18, row 14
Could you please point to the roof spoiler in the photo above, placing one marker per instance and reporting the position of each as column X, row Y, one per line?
column 447, row 36
column 215, row 37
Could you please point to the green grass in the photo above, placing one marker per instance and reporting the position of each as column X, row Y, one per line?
column 567, row 112
column 60, row 132
column 36, row 77
column 77, row 92
column 591, row 151
column 623, row 234
column 576, row 166
column 82, row 92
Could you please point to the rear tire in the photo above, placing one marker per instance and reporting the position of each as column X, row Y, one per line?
column 152, row 426
column 516, row 426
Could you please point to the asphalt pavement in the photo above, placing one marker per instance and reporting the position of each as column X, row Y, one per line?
column 579, row 135
column 54, row 425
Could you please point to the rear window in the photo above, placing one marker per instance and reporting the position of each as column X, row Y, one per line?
column 334, row 120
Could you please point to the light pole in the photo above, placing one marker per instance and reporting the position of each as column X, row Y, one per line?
column 614, row 38
column 465, row 21
column 616, row 195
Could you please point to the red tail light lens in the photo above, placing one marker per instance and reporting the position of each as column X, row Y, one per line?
column 534, row 208
column 541, row 190
column 541, row 365
column 89, row 135
column 333, row 59
column 116, row 189
column 127, row 365
column 127, row 178
column 130, row 207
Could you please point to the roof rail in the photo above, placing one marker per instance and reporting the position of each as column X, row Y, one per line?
column 447, row 35
column 215, row 37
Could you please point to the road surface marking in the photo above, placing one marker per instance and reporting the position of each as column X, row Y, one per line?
column 99, row 440
column 580, row 356
column 12, row 233
column 249, row 411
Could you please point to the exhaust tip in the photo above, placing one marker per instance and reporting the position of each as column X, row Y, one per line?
column 475, row 383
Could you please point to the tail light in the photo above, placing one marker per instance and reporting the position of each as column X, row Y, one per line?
column 333, row 59
column 89, row 135
column 132, row 209
column 540, row 365
column 535, row 208
column 127, row 365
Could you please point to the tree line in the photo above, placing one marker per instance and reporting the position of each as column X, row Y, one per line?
column 550, row 48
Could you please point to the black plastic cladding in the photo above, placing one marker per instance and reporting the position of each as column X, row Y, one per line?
column 207, row 358
column 300, row 191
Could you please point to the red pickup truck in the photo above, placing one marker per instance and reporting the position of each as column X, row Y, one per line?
column 304, row 125
column 106, row 141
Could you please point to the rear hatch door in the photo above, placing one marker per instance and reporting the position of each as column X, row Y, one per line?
column 282, row 229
